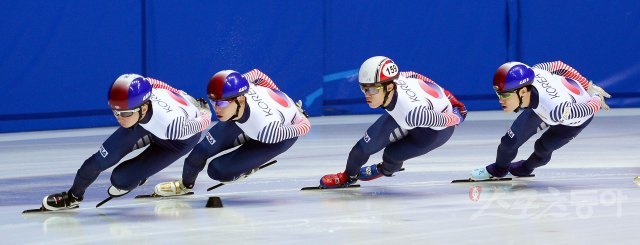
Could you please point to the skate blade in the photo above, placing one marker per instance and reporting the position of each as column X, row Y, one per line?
column 322, row 188
column 520, row 177
column 261, row 167
column 486, row 180
column 154, row 195
column 43, row 210
column 511, row 177
column 528, row 176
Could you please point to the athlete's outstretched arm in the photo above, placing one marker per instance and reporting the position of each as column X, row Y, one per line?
column 155, row 83
column 257, row 77
column 454, row 101
column 276, row 131
column 568, row 110
column 413, row 74
column 423, row 117
column 562, row 69
column 183, row 126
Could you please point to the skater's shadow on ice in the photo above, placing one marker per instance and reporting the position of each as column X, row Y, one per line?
column 379, row 192
column 245, row 201
column 123, row 214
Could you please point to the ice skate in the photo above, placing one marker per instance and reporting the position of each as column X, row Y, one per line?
column 334, row 181
column 370, row 172
column 60, row 201
column 171, row 188
column 518, row 169
column 480, row 174
column 337, row 180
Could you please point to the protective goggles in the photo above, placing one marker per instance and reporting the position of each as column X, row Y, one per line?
column 506, row 95
column 371, row 89
column 222, row 103
column 125, row 113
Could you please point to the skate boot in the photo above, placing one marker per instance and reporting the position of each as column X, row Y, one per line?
column 115, row 192
column 488, row 172
column 480, row 174
column 518, row 169
column 370, row 172
column 171, row 188
column 61, row 201
column 337, row 180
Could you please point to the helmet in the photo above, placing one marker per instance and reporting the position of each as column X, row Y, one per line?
column 378, row 69
column 511, row 76
column 227, row 84
column 129, row 91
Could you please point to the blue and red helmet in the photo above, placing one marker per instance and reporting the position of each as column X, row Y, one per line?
column 511, row 76
column 129, row 91
column 227, row 84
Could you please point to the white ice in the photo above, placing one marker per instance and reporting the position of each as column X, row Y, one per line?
column 585, row 195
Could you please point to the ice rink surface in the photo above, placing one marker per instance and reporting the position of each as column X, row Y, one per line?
column 585, row 195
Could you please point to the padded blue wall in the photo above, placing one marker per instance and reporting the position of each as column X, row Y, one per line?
column 455, row 43
column 601, row 39
column 190, row 41
column 59, row 57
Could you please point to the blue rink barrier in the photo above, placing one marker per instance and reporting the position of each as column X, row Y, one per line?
column 59, row 58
